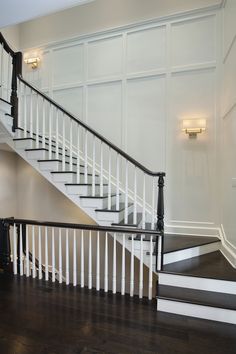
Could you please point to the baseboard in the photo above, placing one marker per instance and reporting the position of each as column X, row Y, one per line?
column 192, row 230
column 227, row 248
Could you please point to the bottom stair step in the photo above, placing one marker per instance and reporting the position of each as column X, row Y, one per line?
column 197, row 303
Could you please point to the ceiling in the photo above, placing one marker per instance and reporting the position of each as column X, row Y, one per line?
column 16, row 11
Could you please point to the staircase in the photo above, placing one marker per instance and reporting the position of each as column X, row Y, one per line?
column 118, row 193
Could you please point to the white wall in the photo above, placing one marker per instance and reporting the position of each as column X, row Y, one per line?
column 8, row 204
column 228, row 126
column 100, row 15
column 135, row 85
column 12, row 35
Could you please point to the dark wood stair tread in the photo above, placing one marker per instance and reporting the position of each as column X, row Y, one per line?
column 97, row 196
column 74, row 172
column 84, row 184
column 212, row 265
column 58, row 160
column 113, row 208
column 198, row 297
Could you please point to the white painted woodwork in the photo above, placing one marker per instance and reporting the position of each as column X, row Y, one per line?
column 14, row 250
column 67, row 258
column 46, row 253
column 114, row 265
column 82, row 259
column 106, row 264
column 33, row 252
column 40, row 273
column 53, row 256
column 90, row 279
column 74, row 259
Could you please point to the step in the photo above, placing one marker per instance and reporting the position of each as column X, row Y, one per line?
column 97, row 202
column 24, row 143
column 180, row 247
column 197, row 303
column 210, row 272
column 130, row 222
column 55, row 165
column 5, row 106
column 112, row 215
column 83, row 189
column 69, row 176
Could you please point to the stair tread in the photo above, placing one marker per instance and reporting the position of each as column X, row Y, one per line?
column 74, row 172
column 195, row 296
column 130, row 221
column 97, row 196
column 212, row 265
column 83, row 184
column 113, row 208
column 58, row 160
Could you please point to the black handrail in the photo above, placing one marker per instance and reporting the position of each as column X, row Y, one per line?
column 117, row 229
column 99, row 136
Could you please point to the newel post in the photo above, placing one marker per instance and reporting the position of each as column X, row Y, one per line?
column 17, row 70
column 5, row 248
column 160, row 216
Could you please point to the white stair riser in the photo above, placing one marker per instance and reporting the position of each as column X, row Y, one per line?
column 49, row 165
column 63, row 177
column 112, row 217
column 190, row 252
column 5, row 107
column 221, row 286
column 83, row 190
column 36, row 155
column 198, row 311
column 96, row 203
column 24, row 144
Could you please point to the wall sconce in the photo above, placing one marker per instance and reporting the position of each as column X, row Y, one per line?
column 192, row 127
column 34, row 62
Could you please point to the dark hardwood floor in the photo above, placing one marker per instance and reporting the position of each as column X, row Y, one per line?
column 44, row 318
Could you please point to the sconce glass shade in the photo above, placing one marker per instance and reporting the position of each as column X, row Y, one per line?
column 32, row 61
column 194, row 126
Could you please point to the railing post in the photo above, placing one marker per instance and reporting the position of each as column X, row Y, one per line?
column 160, row 217
column 5, row 248
column 17, row 70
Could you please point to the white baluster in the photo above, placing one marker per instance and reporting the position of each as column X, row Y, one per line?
column 117, row 182
column 50, row 131
column 67, row 258
column 144, row 203
column 78, row 155
column 25, row 112
column 21, row 252
column 106, row 265
column 63, row 144
column 126, row 190
column 123, row 266
column 141, row 268
column 82, row 260
column 71, row 146
column 57, row 134
column 37, row 122
column 101, row 170
column 60, row 258
column 150, row 270
column 43, row 124
column 132, row 268
column 90, row 262
column 27, row 251
column 94, row 165
column 2, row 72
column 33, row 252
column 159, row 252
column 19, row 102
column 74, row 260
column 86, row 157
column 9, row 63
column 114, row 265
column 153, row 203
column 53, row 256
column 31, row 114
column 40, row 252
column 14, row 249
column 46, row 253
column 135, row 196
column 109, row 179
column 98, row 263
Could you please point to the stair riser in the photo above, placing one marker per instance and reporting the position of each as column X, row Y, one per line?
column 55, row 166
column 5, row 107
column 24, row 144
column 112, row 217
column 198, row 311
column 97, row 203
column 190, row 252
column 83, row 190
column 36, row 155
column 71, row 178
column 221, row 286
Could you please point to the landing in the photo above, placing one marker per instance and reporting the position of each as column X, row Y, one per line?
column 41, row 318
column 213, row 265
